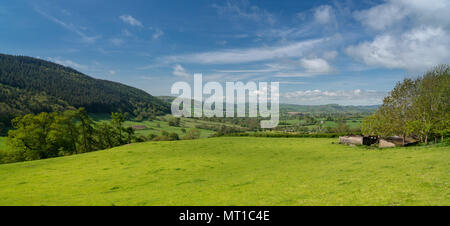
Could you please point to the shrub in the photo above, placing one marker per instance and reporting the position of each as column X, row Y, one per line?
column 192, row 134
column 173, row 136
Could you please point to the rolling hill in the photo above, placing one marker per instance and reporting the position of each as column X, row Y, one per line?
column 327, row 108
column 31, row 85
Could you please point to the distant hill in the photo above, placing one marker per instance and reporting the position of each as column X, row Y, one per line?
column 167, row 99
column 328, row 108
column 30, row 85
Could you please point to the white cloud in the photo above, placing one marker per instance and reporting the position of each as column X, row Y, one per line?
column 323, row 14
column 178, row 70
column 157, row 34
column 117, row 41
column 330, row 55
column 355, row 97
column 248, row 70
column 68, row 26
column 296, row 74
column 67, row 63
column 412, row 35
column 131, row 20
column 222, row 43
column 416, row 12
column 127, row 33
column 243, row 9
column 415, row 50
column 237, row 56
column 381, row 16
column 112, row 72
column 316, row 65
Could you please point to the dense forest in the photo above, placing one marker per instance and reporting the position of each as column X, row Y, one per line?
column 418, row 108
column 30, row 85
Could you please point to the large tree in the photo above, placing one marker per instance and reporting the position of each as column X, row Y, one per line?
column 417, row 107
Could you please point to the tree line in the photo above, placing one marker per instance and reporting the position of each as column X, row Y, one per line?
column 417, row 108
column 47, row 135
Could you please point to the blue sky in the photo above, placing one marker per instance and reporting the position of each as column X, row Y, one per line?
column 345, row 52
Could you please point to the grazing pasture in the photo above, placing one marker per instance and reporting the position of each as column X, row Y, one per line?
column 234, row 171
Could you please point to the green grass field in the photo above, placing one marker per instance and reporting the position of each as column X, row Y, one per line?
column 234, row 171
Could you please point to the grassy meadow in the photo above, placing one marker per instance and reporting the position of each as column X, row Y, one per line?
column 234, row 171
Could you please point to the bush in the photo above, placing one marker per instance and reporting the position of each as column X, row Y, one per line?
column 192, row 134
column 173, row 136
column 151, row 136
column 10, row 156
column 174, row 121
column 140, row 139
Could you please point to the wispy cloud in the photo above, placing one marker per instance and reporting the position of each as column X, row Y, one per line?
column 238, row 56
column 248, row 70
column 356, row 97
column 178, row 70
column 157, row 33
column 316, row 65
column 67, row 63
column 324, row 14
column 131, row 20
column 244, row 10
column 68, row 26
column 117, row 41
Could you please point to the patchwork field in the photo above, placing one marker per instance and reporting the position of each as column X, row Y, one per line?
column 157, row 126
column 354, row 123
column 234, row 171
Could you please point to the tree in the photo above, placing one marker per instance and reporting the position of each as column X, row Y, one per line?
column 106, row 136
column 117, row 119
column 400, row 107
column 64, row 133
column 129, row 134
column 31, row 136
column 418, row 107
column 432, row 102
column 342, row 127
column 86, row 128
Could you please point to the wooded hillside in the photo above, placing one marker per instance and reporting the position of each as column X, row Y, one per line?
column 30, row 85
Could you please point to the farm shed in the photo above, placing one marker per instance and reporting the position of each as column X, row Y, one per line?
column 358, row 139
column 395, row 141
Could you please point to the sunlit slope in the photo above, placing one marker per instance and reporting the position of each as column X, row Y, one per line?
column 233, row 171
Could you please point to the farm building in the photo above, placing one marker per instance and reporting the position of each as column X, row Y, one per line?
column 395, row 142
column 358, row 139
